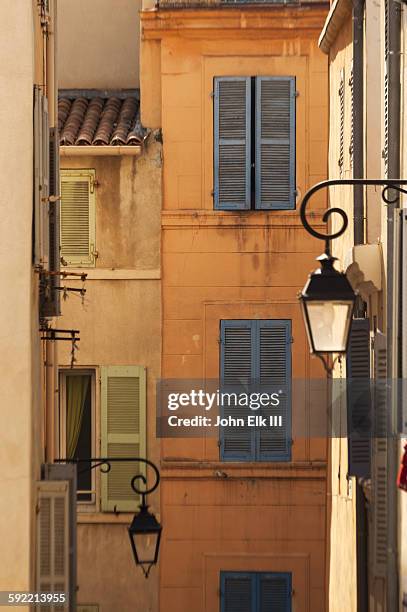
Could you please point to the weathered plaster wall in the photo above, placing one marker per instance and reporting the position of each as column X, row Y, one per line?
column 98, row 44
column 120, row 324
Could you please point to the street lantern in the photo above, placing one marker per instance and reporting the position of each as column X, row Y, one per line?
column 145, row 535
column 327, row 302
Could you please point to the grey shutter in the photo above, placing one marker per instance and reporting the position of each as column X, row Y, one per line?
column 237, row 373
column 352, row 122
column 274, row 592
column 385, row 152
column 41, row 178
column 238, row 592
column 359, row 399
column 232, row 147
column 341, row 93
column 274, row 373
column 379, row 458
column 68, row 473
column 51, row 301
column 275, row 143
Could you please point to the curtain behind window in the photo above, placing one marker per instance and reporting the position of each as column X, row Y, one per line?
column 76, row 392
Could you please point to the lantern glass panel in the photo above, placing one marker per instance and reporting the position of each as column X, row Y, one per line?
column 329, row 323
column 146, row 546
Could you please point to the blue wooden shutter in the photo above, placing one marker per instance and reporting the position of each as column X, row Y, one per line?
column 359, row 400
column 275, row 143
column 238, row 592
column 274, row 592
column 232, row 148
column 274, row 371
column 237, row 372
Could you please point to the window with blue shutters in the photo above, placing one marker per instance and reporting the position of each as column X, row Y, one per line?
column 255, row 592
column 254, row 143
column 255, row 357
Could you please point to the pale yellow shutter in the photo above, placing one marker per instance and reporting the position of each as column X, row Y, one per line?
column 379, row 458
column 78, row 218
column 52, row 539
column 123, row 411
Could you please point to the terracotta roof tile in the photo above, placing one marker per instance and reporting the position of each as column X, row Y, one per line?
column 100, row 120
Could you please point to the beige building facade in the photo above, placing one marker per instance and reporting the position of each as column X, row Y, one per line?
column 27, row 119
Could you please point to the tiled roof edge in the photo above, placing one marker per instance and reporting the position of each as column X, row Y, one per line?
column 99, row 93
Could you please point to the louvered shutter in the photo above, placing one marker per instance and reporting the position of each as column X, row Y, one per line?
column 352, row 122
column 341, row 93
column 123, row 403
column 41, row 178
column 52, row 540
column 275, row 143
column 68, row 472
column 379, row 466
column 232, row 145
column 238, row 592
column 274, row 592
column 359, row 399
column 237, row 373
column 78, row 217
column 385, row 152
column 51, row 301
column 274, row 373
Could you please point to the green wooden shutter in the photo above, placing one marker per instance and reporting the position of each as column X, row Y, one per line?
column 274, row 592
column 238, row 592
column 232, row 147
column 123, row 408
column 237, row 372
column 379, row 458
column 52, row 539
column 78, row 220
column 274, row 372
column 275, row 143
column 359, row 399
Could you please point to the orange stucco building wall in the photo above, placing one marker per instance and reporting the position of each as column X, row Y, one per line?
column 234, row 265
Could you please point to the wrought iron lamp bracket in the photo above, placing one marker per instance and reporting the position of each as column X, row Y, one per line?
column 386, row 184
column 105, row 465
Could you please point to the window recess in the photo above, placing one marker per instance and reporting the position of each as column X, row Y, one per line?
column 254, row 143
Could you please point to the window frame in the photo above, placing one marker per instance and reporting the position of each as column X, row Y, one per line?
column 70, row 175
column 255, row 577
column 94, row 504
column 254, row 144
column 255, row 365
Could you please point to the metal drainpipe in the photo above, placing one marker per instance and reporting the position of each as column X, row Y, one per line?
column 359, row 238
column 393, row 71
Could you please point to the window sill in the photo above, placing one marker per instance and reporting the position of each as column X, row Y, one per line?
column 240, row 469
column 107, row 518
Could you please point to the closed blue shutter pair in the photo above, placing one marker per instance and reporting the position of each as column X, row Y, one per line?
column 255, row 592
column 256, row 356
column 254, row 130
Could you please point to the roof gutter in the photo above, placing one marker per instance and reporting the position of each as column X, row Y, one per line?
column 340, row 10
column 104, row 150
